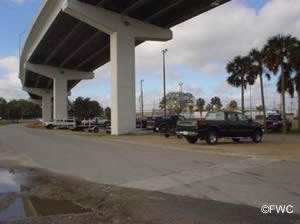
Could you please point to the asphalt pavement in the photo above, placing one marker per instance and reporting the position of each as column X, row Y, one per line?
column 240, row 180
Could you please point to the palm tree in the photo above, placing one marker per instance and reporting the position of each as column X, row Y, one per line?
column 295, row 62
column 216, row 103
column 239, row 69
column 233, row 105
column 260, row 109
column 209, row 107
column 277, row 54
column 200, row 105
column 257, row 70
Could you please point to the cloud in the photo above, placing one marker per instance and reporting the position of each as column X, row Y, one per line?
column 10, row 84
column 207, row 42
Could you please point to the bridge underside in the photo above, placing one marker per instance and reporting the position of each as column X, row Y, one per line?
column 72, row 44
column 72, row 38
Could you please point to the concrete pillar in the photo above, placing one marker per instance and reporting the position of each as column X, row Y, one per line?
column 60, row 78
column 46, row 101
column 47, row 107
column 123, row 83
column 60, row 98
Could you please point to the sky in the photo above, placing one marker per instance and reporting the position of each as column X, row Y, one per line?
column 197, row 55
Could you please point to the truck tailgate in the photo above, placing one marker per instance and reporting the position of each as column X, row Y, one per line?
column 187, row 125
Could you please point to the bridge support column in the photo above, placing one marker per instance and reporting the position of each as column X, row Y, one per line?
column 47, row 107
column 123, row 83
column 60, row 98
column 46, row 95
column 60, row 78
column 124, row 31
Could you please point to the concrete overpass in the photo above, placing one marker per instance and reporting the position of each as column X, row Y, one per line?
column 69, row 39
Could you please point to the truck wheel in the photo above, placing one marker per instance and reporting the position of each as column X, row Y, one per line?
column 96, row 130
column 257, row 136
column 212, row 138
column 237, row 140
column 50, row 126
column 191, row 140
column 164, row 129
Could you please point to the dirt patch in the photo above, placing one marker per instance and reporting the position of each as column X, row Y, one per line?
column 60, row 199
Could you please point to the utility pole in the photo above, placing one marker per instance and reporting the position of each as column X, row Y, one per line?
column 164, row 80
column 142, row 98
column 250, row 101
column 181, row 84
column 181, row 96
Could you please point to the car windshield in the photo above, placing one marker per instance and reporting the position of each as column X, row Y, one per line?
column 216, row 116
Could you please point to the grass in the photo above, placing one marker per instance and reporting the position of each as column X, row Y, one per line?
column 295, row 125
column 5, row 122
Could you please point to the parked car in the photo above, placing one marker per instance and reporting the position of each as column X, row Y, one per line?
column 141, row 122
column 151, row 122
column 101, row 123
column 217, row 125
column 274, row 123
column 165, row 124
column 61, row 124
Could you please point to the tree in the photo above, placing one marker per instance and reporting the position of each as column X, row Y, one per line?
column 258, row 71
column 14, row 110
column 260, row 108
column 295, row 62
column 85, row 108
column 191, row 109
column 200, row 103
column 239, row 69
column 177, row 102
column 3, row 104
column 107, row 113
column 277, row 55
column 233, row 105
column 216, row 103
column 209, row 107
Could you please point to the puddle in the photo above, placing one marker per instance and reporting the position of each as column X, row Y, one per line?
column 7, row 182
column 15, row 206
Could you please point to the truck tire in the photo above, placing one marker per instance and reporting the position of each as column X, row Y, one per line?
column 212, row 138
column 164, row 128
column 50, row 126
column 237, row 140
column 191, row 140
column 257, row 136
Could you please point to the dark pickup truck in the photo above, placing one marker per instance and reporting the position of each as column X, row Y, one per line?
column 220, row 125
column 165, row 124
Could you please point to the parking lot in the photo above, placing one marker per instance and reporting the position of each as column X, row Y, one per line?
column 238, row 173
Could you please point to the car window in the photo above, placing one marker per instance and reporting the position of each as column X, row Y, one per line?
column 242, row 117
column 218, row 116
column 232, row 117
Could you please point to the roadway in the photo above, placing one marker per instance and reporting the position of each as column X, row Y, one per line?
column 236, row 179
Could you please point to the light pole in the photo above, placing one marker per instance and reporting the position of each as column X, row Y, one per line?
column 250, row 101
column 181, row 96
column 164, row 80
column 142, row 98
column 181, row 84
